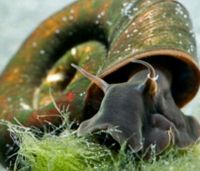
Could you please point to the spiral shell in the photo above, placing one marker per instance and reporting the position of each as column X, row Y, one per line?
column 157, row 31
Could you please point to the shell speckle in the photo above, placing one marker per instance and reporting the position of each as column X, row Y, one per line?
column 133, row 24
column 109, row 23
column 42, row 52
column 57, row 31
column 127, row 10
column 97, row 22
column 82, row 94
column 126, row 31
column 180, row 42
column 9, row 99
column 72, row 11
column 64, row 19
column 71, row 18
column 180, row 34
column 73, row 51
column 34, row 44
column 164, row 16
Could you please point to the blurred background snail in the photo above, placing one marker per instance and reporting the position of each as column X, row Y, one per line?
column 140, row 56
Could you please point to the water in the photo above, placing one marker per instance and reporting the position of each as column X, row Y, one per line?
column 18, row 18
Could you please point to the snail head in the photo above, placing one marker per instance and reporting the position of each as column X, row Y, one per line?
column 135, row 112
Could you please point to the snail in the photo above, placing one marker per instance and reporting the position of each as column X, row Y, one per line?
column 140, row 56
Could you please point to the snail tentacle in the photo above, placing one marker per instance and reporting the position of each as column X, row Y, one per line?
column 98, row 81
column 151, row 85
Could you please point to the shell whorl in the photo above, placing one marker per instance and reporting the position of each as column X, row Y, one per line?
column 156, row 31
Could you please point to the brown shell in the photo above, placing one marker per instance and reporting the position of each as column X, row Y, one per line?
column 159, row 32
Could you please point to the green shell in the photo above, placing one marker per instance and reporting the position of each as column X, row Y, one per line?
column 103, row 37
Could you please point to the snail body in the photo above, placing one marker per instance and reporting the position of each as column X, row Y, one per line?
column 104, row 38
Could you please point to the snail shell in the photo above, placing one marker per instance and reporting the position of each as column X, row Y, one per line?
column 153, row 30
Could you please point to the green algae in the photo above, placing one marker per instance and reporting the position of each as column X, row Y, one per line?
column 69, row 152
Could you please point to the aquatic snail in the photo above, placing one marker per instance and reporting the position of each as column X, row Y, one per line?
column 144, row 53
